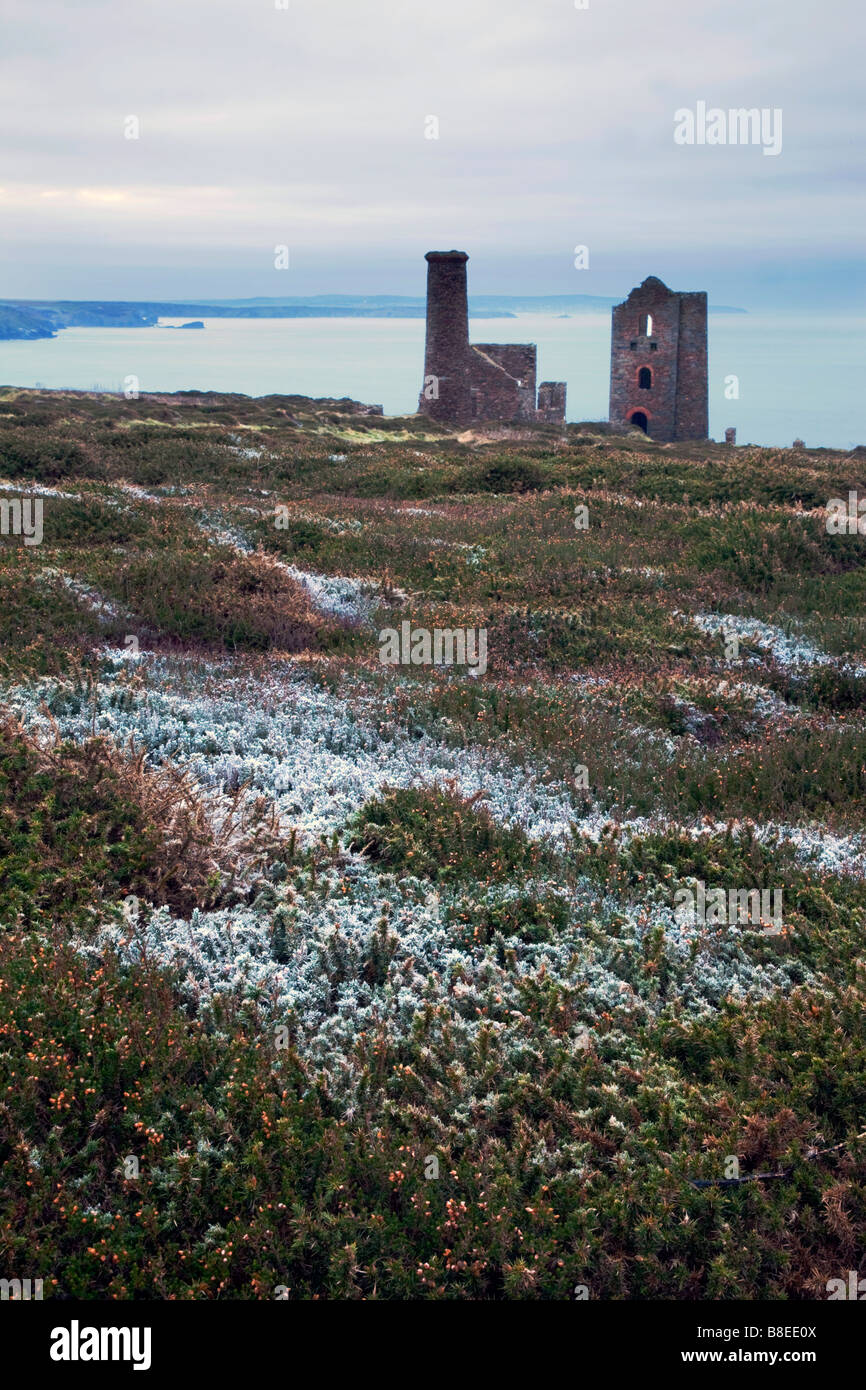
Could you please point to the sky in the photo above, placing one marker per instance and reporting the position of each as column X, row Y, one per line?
column 306, row 124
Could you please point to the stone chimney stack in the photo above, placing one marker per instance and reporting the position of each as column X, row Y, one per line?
column 445, row 394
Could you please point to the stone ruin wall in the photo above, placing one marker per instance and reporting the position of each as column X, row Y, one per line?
column 502, row 381
column 674, row 353
column 485, row 381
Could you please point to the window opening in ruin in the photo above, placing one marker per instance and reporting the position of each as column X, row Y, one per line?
column 645, row 378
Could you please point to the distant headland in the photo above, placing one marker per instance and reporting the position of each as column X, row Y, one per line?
column 45, row 318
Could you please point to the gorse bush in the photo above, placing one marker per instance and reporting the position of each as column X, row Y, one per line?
column 45, row 458
column 824, row 687
column 70, row 832
column 44, row 629
column 530, row 917
column 436, row 833
column 760, row 551
column 824, row 913
column 82, row 825
column 90, row 521
column 247, row 1179
column 151, row 455
column 221, row 599
column 303, row 535
column 506, row 475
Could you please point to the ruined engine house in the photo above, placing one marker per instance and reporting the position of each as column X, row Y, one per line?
column 658, row 362
column 464, row 382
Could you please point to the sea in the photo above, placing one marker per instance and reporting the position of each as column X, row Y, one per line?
column 774, row 377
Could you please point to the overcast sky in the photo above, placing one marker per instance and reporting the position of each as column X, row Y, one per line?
column 305, row 127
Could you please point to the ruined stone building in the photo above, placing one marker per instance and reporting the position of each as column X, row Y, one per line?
column 658, row 362
column 464, row 382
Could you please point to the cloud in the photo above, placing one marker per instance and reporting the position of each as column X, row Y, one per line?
column 307, row 124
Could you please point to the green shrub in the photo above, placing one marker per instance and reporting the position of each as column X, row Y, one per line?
column 436, row 833
column 23, row 455
column 506, row 475
column 529, row 917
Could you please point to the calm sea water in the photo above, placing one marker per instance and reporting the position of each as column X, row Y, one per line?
column 798, row 376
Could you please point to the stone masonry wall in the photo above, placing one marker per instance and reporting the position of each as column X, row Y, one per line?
column 551, row 403
column 502, row 381
column 692, row 405
column 488, row 381
column 674, row 354
column 445, row 394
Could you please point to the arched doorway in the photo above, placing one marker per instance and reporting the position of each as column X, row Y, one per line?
column 639, row 418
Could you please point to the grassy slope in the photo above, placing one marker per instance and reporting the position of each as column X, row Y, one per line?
column 560, row 1163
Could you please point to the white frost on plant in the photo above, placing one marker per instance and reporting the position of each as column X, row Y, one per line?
column 105, row 609
column 330, row 986
column 320, row 756
column 333, row 595
column 785, row 648
column 337, row 595
column 141, row 494
column 814, row 846
column 316, row 756
column 41, row 490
